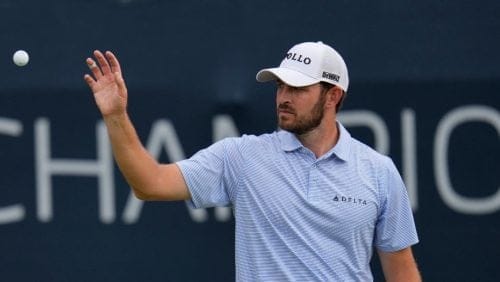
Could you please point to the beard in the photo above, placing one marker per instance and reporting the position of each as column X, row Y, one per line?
column 303, row 124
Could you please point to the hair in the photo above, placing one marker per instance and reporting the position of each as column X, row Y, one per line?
column 327, row 86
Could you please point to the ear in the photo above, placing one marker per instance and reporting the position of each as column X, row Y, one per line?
column 333, row 97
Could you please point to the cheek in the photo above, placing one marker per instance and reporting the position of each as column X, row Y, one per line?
column 281, row 97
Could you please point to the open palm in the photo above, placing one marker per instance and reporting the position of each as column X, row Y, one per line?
column 107, row 83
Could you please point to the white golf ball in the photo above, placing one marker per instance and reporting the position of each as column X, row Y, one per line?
column 21, row 58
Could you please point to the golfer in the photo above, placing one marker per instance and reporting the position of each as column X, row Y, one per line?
column 311, row 203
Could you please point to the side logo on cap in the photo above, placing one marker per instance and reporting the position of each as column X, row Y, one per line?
column 298, row 58
column 331, row 76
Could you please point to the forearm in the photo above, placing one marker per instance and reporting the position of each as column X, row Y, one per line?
column 408, row 275
column 138, row 167
column 399, row 266
column 148, row 179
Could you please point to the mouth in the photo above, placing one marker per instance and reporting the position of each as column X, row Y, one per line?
column 285, row 114
column 285, row 110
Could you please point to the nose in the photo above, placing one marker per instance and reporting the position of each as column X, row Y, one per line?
column 283, row 94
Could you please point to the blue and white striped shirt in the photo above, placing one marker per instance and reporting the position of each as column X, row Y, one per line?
column 302, row 218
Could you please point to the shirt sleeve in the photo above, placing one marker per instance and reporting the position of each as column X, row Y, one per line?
column 211, row 174
column 395, row 229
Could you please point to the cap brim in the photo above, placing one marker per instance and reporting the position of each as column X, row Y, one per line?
column 288, row 76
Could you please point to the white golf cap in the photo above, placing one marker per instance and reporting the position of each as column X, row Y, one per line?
column 309, row 63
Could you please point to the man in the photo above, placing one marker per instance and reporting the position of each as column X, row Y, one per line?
column 310, row 202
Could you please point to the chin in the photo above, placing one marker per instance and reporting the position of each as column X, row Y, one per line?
column 285, row 125
column 288, row 128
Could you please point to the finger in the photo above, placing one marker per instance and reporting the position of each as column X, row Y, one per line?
column 96, row 71
column 121, row 83
column 90, row 81
column 115, row 65
column 103, row 62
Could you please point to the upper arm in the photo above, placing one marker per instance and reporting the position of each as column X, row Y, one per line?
column 399, row 265
column 170, row 185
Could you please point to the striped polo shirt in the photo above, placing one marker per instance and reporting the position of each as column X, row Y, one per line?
column 302, row 218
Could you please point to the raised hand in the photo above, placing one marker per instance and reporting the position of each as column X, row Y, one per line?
column 107, row 83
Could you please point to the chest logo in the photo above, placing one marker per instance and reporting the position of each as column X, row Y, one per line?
column 347, row 200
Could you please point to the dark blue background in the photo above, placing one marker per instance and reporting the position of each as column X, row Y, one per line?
column 188, row 61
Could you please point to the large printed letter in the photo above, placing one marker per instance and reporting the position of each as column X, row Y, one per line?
column 454, row 118
column 373, row 122
column 102, row 168
column 409, row 155
column 13, row 213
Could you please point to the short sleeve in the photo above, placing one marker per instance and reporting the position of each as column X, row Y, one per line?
column 211, row 174
column 395, row 229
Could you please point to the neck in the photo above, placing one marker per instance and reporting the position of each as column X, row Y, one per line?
column 321, row 139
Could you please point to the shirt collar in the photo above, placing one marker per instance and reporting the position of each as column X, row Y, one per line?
column 342, row 148
column 289, row 143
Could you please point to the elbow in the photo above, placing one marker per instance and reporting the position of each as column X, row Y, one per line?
column 143, row 196
column 149, row 194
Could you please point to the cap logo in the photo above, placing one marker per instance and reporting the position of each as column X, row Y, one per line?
column 298, row 58
column 331, row 76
